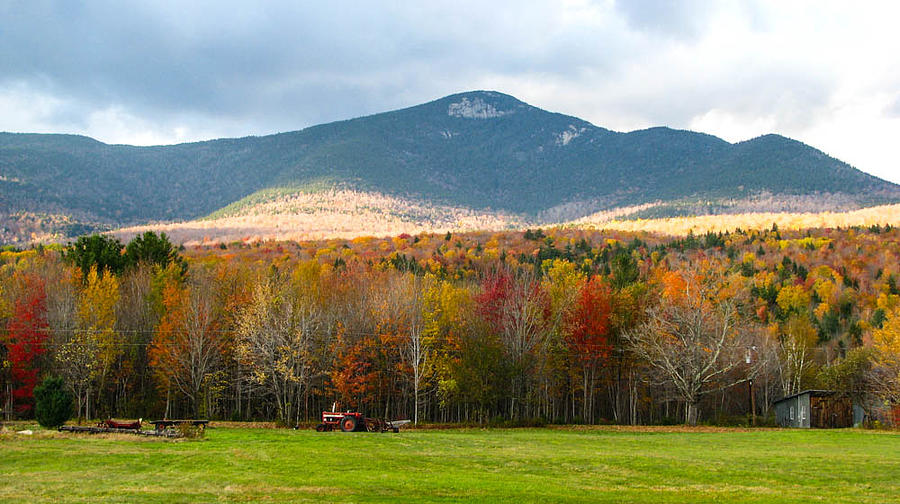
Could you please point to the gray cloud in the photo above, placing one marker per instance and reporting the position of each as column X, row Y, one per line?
column 683, row 19
column 276, row 61
column 142, row 71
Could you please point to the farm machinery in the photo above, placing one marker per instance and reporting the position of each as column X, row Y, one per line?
column 350, row 421
column 110, row 426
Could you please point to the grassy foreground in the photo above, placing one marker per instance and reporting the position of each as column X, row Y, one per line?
column 516, row 465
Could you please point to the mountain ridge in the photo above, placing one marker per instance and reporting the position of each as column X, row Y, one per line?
column 482, row 150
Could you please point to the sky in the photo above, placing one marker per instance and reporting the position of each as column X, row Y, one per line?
column 165, row 71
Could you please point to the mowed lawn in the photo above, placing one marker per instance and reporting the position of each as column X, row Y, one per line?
column 471, row 465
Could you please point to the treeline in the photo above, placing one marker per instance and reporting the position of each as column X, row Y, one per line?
column 561, row 325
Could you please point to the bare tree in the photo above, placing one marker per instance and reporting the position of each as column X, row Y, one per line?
column 694, row 342
column 136, row 319
column 75, row 362
column 187, row 351
column 62, row 317
column 399, row 301
column 276, row 333
column 203, row 343
column 73, row 351
column 798, row 339
column 85, row 338
column 523, row 328
column 767, row 385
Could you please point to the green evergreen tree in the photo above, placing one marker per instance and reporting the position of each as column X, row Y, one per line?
column 52, row 403
column 624, row 269
column 153, row 248
column 102, row 251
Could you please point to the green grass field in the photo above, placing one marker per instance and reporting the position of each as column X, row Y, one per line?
column 472, row 465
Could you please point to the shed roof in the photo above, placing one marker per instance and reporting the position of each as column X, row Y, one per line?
column 811, row 392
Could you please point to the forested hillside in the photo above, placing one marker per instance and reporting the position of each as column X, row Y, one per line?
column 484, row 152
column 557, row 325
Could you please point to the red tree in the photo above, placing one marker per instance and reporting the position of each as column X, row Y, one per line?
column 26, row 334
column 518, row 311
column 589, row 323
column 353, row 375
column 496, row 289
column 588, row 334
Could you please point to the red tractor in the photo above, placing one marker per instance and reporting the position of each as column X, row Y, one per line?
column 349, row 421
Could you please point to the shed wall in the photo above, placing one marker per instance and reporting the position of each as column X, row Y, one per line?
column 787, row 412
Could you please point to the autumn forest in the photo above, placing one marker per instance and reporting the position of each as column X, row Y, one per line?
column 561, row 325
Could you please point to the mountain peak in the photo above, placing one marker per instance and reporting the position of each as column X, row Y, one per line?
column 475, row 109
column 770, row 138
column 481, row 105
column 484, row 94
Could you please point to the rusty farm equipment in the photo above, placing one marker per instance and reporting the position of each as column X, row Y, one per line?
column 161, row 428
column 110, row 426
column 350, row 421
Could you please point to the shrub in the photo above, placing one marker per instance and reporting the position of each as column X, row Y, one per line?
column 191, row 431
column 53, row 403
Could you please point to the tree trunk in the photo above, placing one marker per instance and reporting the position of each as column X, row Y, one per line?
column 617, row 389
column 416, row 397
column 238, row 383
column 633, row 397
column 585, row 407
column 691, row 412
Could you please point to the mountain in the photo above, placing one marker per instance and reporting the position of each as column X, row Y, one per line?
column 482, row 152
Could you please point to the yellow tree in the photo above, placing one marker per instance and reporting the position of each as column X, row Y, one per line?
column 278, row 331
column 5, row 309
column 563, row 284
column 886, row 342
column 86, row 355
column 793, row 299
column 464, row 361
column 440, row 311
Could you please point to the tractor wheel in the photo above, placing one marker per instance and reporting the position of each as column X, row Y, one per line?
column 396, row 430
column 321, row 427
column 348, row 423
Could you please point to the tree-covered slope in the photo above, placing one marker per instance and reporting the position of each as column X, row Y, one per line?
column 483, row 150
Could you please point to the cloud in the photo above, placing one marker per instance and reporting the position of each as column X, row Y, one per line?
column 166, row 71
column 893, row 110
column 685, row 19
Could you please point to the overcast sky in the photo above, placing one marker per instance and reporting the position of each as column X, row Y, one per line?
column 155, row 72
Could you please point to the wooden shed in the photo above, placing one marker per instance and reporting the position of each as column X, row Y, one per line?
column 821, row 409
